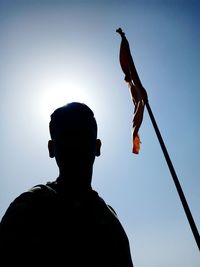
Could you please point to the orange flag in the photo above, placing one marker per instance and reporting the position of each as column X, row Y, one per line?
column 137, row 91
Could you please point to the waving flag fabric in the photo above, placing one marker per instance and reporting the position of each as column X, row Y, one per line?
column 137, row 91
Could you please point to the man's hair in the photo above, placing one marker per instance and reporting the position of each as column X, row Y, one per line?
column 73, row 116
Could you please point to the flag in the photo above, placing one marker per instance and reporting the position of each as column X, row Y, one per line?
column 138, row 93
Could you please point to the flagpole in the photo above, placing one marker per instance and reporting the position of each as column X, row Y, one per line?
column 130, row 69
column 175, row 178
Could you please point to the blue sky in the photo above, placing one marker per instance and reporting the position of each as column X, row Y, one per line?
column 54, row 52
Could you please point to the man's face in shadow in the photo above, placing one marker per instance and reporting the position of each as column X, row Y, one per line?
column 75, row 148
column 74, row 141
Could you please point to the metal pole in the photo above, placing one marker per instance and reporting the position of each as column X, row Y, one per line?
column 130, row 68
column 175, row 178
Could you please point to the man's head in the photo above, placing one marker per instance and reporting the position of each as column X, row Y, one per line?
column 73, row 131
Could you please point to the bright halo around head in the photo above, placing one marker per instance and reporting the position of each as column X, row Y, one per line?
column 58, row 93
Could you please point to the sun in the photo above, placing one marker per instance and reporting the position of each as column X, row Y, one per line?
column 58, row 92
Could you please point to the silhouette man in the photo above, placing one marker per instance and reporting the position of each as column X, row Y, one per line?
column 66, row 222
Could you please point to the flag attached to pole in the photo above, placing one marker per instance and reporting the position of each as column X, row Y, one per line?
column 140, row 99
column 138, row 93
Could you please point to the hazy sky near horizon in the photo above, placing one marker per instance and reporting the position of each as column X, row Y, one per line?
column 54, row 52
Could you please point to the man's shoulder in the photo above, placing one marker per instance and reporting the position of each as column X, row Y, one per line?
column 42, row 190
column 28, row 200
column 105, row 210
column 36, row 192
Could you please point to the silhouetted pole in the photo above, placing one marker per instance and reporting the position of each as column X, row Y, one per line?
column 135, row 77
column 175, row 178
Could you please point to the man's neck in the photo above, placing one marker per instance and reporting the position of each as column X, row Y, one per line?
column 75, row 179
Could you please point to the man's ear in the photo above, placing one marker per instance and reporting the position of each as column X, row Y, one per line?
column 98, row 147
column 51, row 149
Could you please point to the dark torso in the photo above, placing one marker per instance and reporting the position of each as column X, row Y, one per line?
column 68, row 228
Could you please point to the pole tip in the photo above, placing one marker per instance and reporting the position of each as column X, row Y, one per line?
column 119, row 30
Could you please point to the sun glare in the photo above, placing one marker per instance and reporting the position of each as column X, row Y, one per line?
column 59, row 93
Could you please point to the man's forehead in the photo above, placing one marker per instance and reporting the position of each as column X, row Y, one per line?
column 76, row 130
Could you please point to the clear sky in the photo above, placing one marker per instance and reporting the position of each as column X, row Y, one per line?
column 54, row 52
